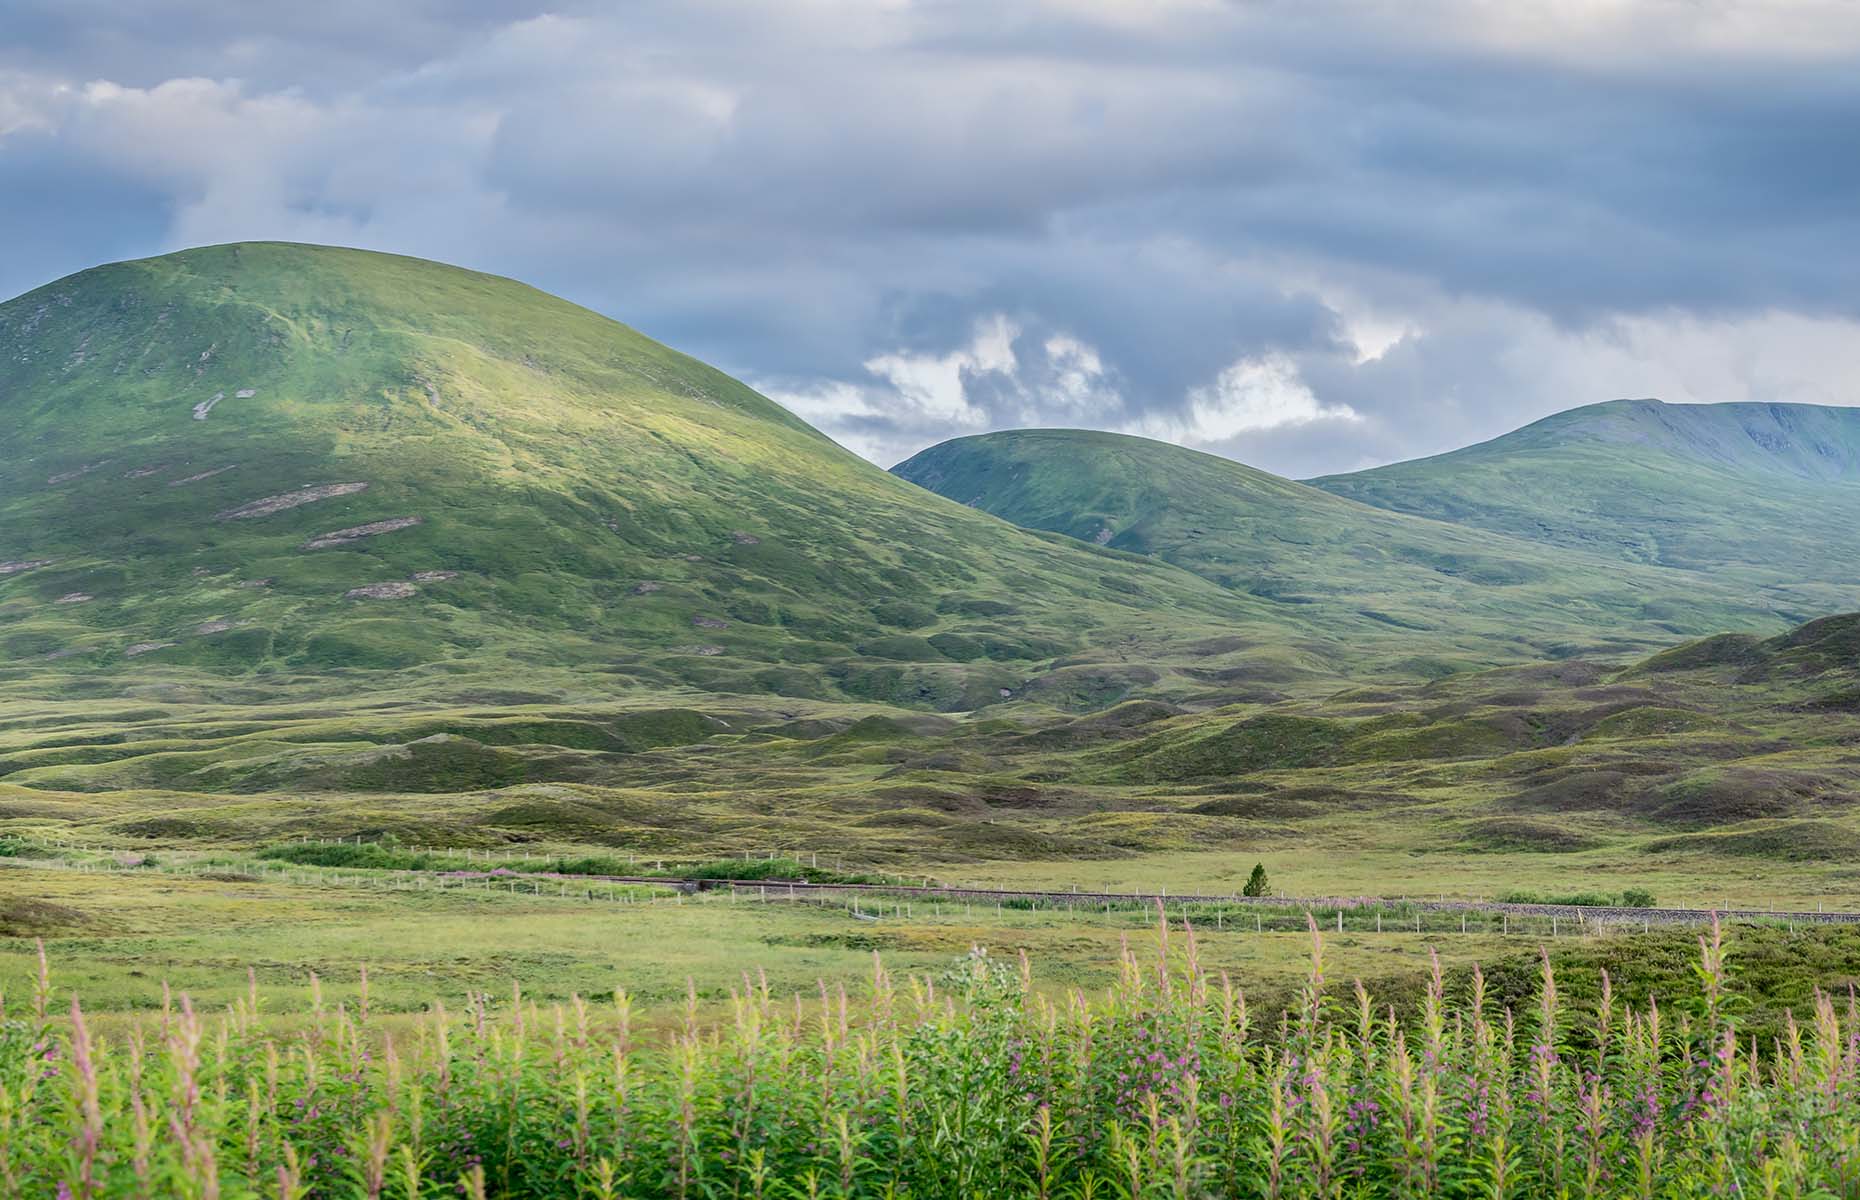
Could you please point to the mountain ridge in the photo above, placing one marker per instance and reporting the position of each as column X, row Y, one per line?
column 1487, row 595
column 1714, row 432
column 276, row 460
column 1758, row 493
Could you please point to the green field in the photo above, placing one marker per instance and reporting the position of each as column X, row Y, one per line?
column 973, row 1076
column 1700, row 769
column 358, row 613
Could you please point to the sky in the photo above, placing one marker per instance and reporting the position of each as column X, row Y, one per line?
column 1312, row 236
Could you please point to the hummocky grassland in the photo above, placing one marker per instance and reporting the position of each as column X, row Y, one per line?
column 311, row 543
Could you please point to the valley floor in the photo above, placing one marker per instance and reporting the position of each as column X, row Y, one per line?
column 121, row 928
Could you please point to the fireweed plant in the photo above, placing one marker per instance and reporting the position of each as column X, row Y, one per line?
column 966, row 1084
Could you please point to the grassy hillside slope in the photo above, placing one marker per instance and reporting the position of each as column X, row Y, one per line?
column 1764, row 492
column 272, row 464
column 1448, row 590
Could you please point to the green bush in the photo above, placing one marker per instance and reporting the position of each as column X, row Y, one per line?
column 370, row 856
column 1571, row 899
column 968, row 1084
column 767, row 868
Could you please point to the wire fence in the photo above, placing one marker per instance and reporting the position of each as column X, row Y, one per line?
column 1219, row 914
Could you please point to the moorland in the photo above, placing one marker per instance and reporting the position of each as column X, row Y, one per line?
column 379, row 630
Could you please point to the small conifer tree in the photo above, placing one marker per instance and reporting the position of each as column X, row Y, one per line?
column 1256, row 884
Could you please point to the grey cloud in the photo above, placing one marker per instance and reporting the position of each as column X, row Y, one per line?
column 797, row 191
column 62, row 215
column 308, row 47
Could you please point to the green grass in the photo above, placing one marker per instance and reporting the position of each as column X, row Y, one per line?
column 684, row 634
column 119, row 936
column 391, row 856
column 1693, row 778
column 967, row 1078
column 1750, row 494
column 200, row 922
column 1395, row 583
column 684, row 624
column 598, row 513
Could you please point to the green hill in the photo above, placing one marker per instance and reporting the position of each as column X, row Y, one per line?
column 1762, row 493
column 270, row 471
column 1384, row 579
column 461, row 560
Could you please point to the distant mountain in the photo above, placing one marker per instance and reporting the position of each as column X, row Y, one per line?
column 1449, row 589
column 310, row 470
column 1758, row 493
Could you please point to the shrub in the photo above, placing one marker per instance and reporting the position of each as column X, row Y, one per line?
column 965, row 1084
column 1566, row 899
column 377, row 856
column 1256, row 883
column 767, row 868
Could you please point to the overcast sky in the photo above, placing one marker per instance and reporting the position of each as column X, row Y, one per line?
column 1309, row 235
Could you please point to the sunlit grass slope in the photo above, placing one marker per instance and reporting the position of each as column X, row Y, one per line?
column 1763, row 492
column 1388, row 579
column 276, row 463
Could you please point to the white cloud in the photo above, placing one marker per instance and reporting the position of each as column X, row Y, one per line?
column 1618, row 30
column 914, row 398
column 1254, row 395
column 1132, row 14
column 1077, row 387
column 1371, row 329
column 936, row 386
column 1375, row 336
column 993, row 347
column 1482, row 369
column 1780, row 358
column 27, row 103
column 983, row 386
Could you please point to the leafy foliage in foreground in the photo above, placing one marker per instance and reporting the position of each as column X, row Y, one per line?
column 969, row 1084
